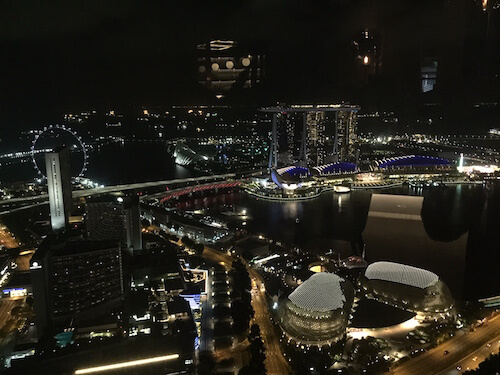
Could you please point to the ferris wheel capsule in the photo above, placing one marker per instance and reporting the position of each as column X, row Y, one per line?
column 51, row 128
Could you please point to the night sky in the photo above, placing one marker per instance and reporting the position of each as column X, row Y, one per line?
column 63, row 56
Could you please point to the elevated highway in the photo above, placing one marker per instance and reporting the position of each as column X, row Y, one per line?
column 17, row 204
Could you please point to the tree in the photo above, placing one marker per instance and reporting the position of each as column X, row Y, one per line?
column 254, row 332
column 206, row 363
column 29, row 301
column 199, row 248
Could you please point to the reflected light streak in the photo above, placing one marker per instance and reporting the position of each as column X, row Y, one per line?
column 119, row 365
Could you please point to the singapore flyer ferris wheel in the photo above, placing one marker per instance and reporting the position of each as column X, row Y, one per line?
column 54, row 136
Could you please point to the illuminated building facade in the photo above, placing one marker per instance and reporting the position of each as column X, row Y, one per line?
column 345, row 144
column 59, row 187
column 316, row 137
column 224, row 66
column 300, row 133
column 289, row 127
column 75, row 280
column 114, row 218
column 409, row 288
column 413, row 163
column 317, row 312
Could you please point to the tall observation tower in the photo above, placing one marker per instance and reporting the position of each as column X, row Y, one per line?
column 59, row 187
column 309, row 125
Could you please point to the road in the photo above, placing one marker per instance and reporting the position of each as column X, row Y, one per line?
column 43, row 198
column 5, row 308
column 275, row 362
column 115, row 188
column 460, row 348
column 479, row 355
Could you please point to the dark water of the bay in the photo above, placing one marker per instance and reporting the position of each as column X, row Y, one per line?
column 462, row 220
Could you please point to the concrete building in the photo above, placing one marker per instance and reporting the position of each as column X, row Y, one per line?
column 116, row 218
column 59, row 187
column 105, row 219
column 74, row 281
column 133, row 222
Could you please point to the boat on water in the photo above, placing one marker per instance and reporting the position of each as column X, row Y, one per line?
column 341, row 189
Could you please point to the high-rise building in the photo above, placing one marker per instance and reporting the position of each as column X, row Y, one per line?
column 105, row 219
column 345, row 146
column 59, row 187
column 300, row 134
column 289, row 131
column 316, row 137
column 133, row 228
column 75, row 280
column 114, row 218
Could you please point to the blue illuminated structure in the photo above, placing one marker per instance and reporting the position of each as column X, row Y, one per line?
column 293, row 176
column 290, row 177
column 336, row 168
column 412, row 161
column 295, row 171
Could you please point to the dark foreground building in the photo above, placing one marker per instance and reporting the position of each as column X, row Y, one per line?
column 75, row 280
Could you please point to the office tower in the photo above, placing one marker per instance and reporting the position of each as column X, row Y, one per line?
column 133, row 222
column 224, row 66
column 289, row 133
column 105, row 219
column 315, row 128
column 114, row 218
column 75, row 281
column 59, row 187
column 346, row 140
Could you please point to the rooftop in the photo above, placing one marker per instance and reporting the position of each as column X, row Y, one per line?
column 401, row 274
column 321, row 292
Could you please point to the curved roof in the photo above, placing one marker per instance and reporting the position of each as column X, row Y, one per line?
column 321, row 292
column 335, row 168
column 412, row 160
column 294, row 171
column 402, row 274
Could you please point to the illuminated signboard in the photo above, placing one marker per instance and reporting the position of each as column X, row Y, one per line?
column 16, row 292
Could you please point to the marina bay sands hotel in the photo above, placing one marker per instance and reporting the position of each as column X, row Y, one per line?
column 312, row 136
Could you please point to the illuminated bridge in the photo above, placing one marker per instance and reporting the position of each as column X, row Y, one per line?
column 16, row 204
column 193, row 189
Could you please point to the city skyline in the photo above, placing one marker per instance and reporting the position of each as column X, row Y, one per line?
column 249, row 188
